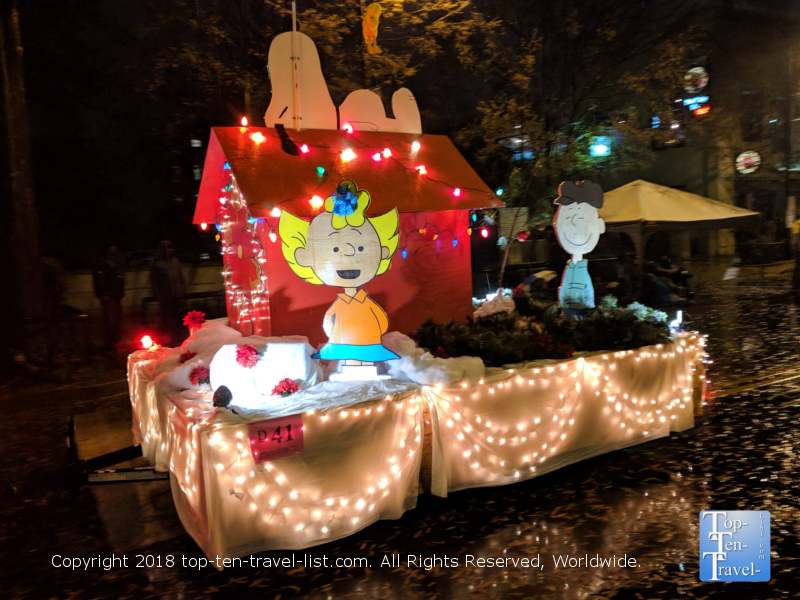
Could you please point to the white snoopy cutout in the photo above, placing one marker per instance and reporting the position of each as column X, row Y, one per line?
column 362, row 109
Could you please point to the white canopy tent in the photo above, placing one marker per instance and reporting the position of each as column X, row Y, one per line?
column 641, row 208
column 642, row 201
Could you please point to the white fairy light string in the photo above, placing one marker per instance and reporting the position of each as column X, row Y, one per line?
column 513, row 425
column 239, row 238
column 498, row 433
column 287, row 500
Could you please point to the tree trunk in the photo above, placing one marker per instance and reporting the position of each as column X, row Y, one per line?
column 25, row 224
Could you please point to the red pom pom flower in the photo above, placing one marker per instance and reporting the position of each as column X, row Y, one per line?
column 194, row 319
column 247, row 356
column 285, row 387
column 441, row 353
column 200, row 375
column 187, row 356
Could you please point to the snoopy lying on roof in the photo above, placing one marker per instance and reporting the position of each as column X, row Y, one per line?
column 362, row 109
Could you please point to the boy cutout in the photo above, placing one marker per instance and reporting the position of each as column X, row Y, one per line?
column 578, row 227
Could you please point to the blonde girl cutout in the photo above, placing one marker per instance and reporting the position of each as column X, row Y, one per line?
column 347, row 206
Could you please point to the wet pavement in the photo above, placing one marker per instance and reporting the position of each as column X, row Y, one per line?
column 642, row 502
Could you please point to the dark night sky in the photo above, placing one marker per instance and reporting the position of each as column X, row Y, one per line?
column 102, row 173
column 103, row 150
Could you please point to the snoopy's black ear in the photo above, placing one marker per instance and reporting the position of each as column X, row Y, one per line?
column 286, row 142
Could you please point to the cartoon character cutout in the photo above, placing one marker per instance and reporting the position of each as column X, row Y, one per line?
column 578, row 227
column 369, row 27
column 343, row 248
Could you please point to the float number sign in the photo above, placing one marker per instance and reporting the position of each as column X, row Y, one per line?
column 276, row 438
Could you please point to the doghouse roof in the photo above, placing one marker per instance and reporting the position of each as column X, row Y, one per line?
column 270, row 177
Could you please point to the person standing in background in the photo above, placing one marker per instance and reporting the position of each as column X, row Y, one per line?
column 169, row 289
column 109, row 287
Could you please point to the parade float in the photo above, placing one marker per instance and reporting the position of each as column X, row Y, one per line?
column 305, row 415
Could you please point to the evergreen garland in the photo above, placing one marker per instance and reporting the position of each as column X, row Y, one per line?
column 538, row 330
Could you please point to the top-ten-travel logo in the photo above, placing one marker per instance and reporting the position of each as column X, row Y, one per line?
column 734, row 545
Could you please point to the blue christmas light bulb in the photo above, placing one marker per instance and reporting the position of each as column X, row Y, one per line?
column 455, row 243
column 404, row 253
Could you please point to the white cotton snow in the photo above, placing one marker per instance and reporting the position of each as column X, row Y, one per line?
column 281, row 358
column 205, row 343
column 419, row 366
column 290, row 357
column 498, row 304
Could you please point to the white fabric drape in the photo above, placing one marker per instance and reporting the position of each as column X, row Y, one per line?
column 363, row 441
column 360, row 463
column 524, row 422
column 141, row 372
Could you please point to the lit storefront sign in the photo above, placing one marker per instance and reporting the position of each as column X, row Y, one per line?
column 748, row 162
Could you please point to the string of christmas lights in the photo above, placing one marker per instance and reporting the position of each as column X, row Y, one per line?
column 317, row 203
column 513, row 425
column 233, row 217
column 345, row 154
column 232, row 203
column 424, row 230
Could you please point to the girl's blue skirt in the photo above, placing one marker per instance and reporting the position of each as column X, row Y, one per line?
column 371, row 353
